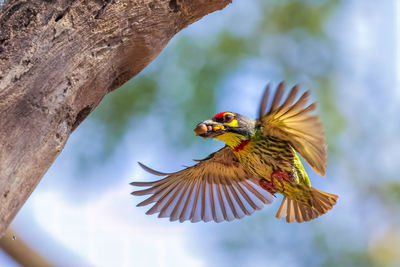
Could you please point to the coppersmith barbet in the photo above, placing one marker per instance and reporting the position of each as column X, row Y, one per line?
column 259, row 160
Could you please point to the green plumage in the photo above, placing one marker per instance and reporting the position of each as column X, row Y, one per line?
column 265, row 154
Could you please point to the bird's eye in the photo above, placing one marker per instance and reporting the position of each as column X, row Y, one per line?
column 219, row 119
column 228, row 118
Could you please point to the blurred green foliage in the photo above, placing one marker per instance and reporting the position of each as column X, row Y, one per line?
column 334, row 121
column 389, row 193
column 118, row 108
column 393, row 190
column 308, row 16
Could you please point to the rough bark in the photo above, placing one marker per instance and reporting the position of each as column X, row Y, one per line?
column 58, row 59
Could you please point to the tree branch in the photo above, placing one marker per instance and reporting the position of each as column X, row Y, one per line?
column 58, row 59
column 21, row 252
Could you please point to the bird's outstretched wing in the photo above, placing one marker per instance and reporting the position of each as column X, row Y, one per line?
column 292, row 122
column 217, row 188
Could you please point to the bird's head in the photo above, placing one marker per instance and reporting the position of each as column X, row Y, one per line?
column 229, row 127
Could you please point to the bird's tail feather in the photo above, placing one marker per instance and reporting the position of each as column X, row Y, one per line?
column 293, row 210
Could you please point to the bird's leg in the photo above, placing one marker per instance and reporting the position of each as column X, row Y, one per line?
column 268, row 186
column 280, row 177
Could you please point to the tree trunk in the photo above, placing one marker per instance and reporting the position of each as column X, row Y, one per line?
column 58, row 59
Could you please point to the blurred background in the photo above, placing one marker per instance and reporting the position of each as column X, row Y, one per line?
column 345, row 52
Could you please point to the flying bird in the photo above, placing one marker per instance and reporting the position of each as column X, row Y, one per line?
column 258, row 161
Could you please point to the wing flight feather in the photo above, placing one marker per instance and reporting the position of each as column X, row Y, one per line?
column 217, row 188
column 291, row 121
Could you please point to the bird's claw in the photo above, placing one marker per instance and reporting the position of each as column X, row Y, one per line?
column 280, row 177
column 270, row 186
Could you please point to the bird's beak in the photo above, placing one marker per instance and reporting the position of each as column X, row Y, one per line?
column 209, row 129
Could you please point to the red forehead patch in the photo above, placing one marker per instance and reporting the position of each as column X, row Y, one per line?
column 219, row 115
